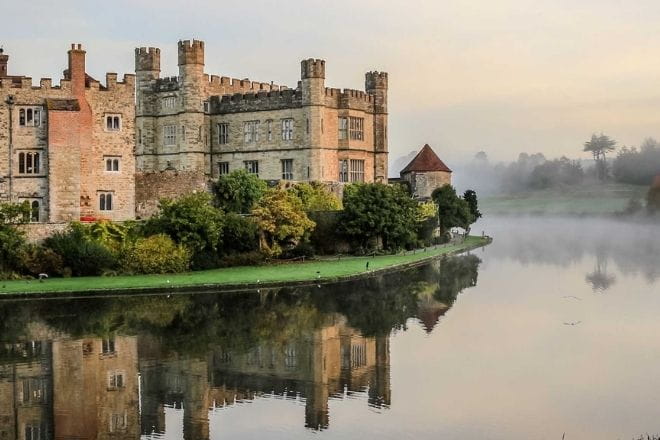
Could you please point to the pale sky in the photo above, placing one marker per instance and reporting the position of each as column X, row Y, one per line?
column 501, row 76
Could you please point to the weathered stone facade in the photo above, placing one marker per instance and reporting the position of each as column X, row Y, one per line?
column 64, row 148
column 209, row 125
column 425, row 173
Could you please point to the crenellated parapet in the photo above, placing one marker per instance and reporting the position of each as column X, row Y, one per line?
column 25, row 83
column 147, row 59
column 260, row 101
column 312, row 68
column 191, row 52
column 375, row 80
column 167, row 84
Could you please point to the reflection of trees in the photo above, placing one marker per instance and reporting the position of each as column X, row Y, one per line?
column 599, row 279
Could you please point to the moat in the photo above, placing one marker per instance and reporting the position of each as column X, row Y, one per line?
column 551, row 330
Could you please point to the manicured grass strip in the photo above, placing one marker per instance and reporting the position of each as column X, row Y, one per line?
column 287, row 272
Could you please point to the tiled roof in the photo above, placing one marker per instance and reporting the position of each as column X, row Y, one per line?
column 426, row 160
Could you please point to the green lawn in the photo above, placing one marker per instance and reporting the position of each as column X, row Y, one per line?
column 584, row 200
column 326, row 269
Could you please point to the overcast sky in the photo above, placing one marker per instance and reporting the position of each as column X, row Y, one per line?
column 501, row 76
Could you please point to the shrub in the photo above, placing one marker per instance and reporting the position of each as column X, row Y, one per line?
column 155, row 254
column 12, row 240
column 253, row 258
column 83, row 256
column 240, row 234
column 315, row 197
column 38, row 259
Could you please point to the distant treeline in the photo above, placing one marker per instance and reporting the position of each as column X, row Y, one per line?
column 632, row 165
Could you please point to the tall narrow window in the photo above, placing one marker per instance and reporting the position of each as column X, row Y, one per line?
column 343, row 128
column 287, row 129
column 34, row 211
column 169, row 135
column 108, row 346
column 343, row 170
column 21, row 117
column 223, row 134
column 251, row 131
column 223, row 168
column 252, row 166
column 269, row 130
column 287, row 169
column 29, row 119
column 307, row 126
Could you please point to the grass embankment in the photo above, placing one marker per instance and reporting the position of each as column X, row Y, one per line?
column 593, row 199
column 272, row 274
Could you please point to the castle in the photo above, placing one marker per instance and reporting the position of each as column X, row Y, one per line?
column 87, row 150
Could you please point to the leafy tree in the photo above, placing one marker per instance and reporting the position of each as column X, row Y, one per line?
column 239, row 235
column 12, row 240
column 470, row 197
column 238, row 191
column 453, row 211
column 190, row 220
column 599, row 147
column 82, row 255
column 375, row 211
column 281, row 220
column 637, row 166
column 315, row 197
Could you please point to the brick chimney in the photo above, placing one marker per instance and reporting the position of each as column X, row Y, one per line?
column 4, row 59
column 76, row 72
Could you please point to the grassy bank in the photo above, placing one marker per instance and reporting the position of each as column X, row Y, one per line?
column 594, row 199
column 324, row 270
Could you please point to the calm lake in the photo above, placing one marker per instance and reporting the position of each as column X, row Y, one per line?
column 552, row 330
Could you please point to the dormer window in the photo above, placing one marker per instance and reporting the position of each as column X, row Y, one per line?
column 112, row 122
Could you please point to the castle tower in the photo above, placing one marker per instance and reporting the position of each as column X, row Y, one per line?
column 147, row 63
column 313, row 94
column 376, row 85
column 4, row 59
column 192, row 93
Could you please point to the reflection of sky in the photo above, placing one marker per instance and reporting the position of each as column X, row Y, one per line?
column 502, row 364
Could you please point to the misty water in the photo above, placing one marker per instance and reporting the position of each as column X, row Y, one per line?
column 551, row 331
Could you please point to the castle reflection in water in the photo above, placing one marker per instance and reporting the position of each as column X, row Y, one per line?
column 55, row 384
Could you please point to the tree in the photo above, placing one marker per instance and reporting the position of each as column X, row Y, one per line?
column 238, row 191
column 315, row 197
column 599, row 146
column 281, row 220
column 190, row 220
column 12, row 240
column 378, row 212
column 470, row 197
column 653, row 197
column 453, row 211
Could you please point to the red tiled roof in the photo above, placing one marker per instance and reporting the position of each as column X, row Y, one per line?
column 426, row 160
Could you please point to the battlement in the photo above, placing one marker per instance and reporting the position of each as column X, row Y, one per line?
column 167, row 84
column 191, row 52
column 25, row 82
column 262, row 100
column 375, row 80
column 147, row 59
column 311, row 68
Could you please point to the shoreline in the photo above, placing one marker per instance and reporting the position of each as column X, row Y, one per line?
column 243, row 278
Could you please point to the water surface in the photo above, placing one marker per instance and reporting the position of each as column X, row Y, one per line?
column 551, row 330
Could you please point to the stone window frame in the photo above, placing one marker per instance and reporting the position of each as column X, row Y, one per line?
column 252, row 167
column 342, row 125
column 287, row 169
column 223, row 133
column 118, row 422
column 206, row 106
column 251, row 131
column 269, row 130
column 356, row 128
column 356, row 169
column 107, row 201
column 36, row 205
column 116, row 380
column 112, row 164
column 287, row 129
column 343, row 170
column 168, row 102
column 169, row 135
column 33, row 390
column 30, row 116
column 223, row 168
column 29, row 163
column 112, row 122
column 34, row 431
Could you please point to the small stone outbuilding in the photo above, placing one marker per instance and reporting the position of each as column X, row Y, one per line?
column 425, row 173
